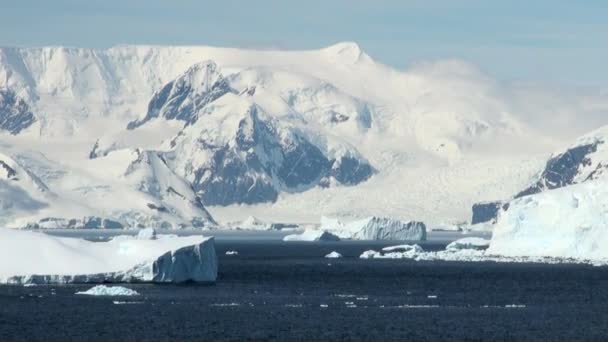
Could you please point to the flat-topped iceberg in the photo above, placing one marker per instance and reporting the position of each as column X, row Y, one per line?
column 569, row 222
column 34, row 257
column 312, row 235
column 103, row 290
column 375, row 228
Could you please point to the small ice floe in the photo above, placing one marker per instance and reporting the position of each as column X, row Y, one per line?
column 30, row 284
column 333, row 255
column 293, row 305
column 403, row 248
column 515, row 306
column 394, row 252
column 225, row 304
column 431, row 296
column 362, row 298
column 369, row 254
column 121, row 302
column 102, row 290
column 346, row 296
column 324, row 305
column 232, row 253
column 474, row 243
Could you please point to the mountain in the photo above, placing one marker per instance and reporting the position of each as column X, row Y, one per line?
column 126, row 189
column 286, row 136
column 584, row 160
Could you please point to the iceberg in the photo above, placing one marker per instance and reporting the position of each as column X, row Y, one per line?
column 312, row 235
column 376, row 228
column 102, row 290
column 43, row 259
column 394, row 252
column 333, row 255
column 468, row 243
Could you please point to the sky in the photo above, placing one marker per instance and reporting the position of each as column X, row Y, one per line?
column 553, row 41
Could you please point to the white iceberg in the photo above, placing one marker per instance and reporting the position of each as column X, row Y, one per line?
column 402, row 248
column 333, row 255
column 375, row 228
column 312, row 235
column 232, row 253
column 569, row 222
column 394, row 252
column 468, row 243
column 102, row 290
column 43, row 259
column 369, row 254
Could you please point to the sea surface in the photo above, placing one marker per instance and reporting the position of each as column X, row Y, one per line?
column 282, row 291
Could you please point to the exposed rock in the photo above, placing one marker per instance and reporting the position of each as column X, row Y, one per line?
column 15, row 113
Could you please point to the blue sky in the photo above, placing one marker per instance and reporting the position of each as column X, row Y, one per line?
column 540, row 40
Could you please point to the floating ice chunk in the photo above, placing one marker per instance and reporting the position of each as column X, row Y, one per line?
column 376, row 228
column 369, row 254
column 43, row 259
column 333, row 255
column 403, row 248
column 312, row 235
column 468, row 243
column 232, row 253
column 102, row 290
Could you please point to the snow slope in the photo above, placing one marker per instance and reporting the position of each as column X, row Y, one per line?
column 127, row 188
column 33, row 257
column 424, row 143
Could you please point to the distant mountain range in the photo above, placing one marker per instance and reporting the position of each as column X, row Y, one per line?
column 150, row 135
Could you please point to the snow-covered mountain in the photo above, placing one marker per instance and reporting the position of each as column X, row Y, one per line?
column 584, row 160
column 126, row 189
column 292, row 134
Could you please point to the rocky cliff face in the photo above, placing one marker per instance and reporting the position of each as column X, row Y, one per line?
column 233, row 150
column 15, row 113
column 181, row 98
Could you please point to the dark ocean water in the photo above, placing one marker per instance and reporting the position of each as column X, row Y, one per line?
column 288, row 292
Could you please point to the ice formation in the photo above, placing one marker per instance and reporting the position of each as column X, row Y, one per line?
column 312, row 235
column 375, row 228
column 103, row 290
column 40, row 258
column 333, row 255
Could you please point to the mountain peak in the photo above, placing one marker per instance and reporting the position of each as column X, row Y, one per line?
column 346, row 51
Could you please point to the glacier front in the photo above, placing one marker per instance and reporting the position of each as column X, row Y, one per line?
column 569, row 222
column 37, row 258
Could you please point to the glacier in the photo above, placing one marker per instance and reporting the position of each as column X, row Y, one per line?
column 38, row 258
column 584, row 160
column 568, row 222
